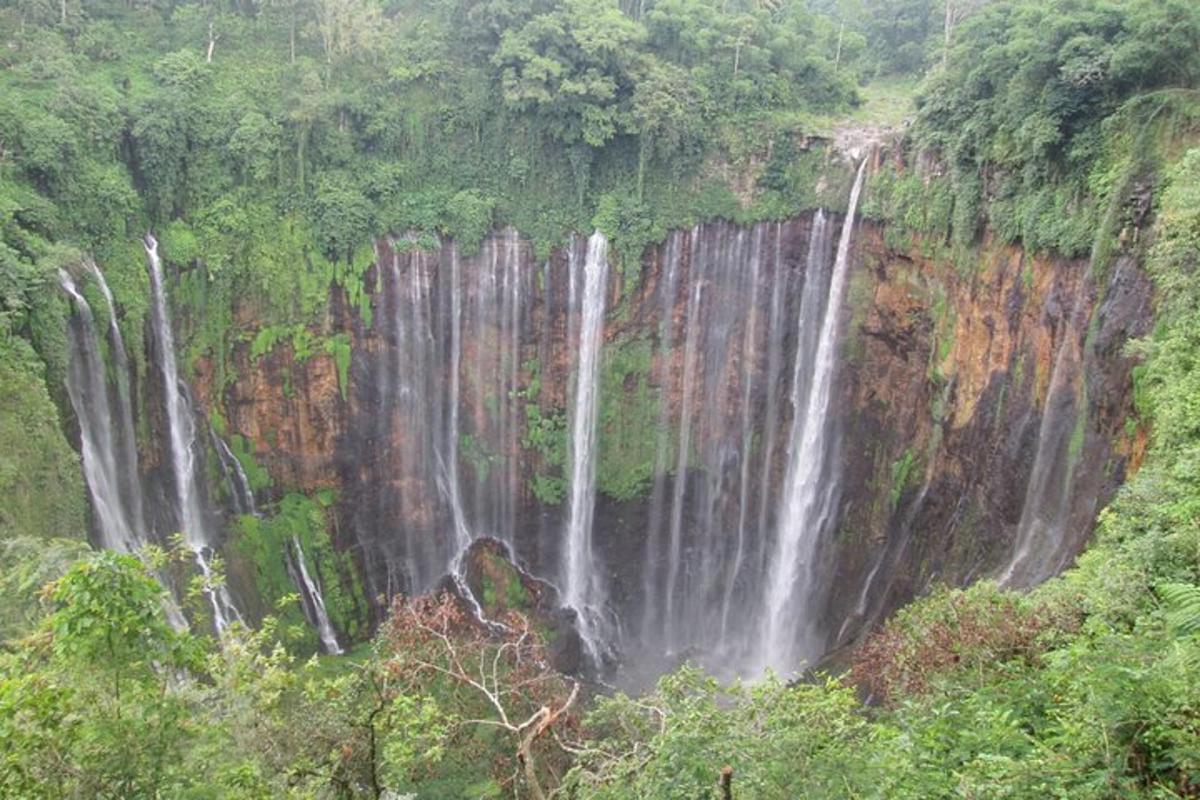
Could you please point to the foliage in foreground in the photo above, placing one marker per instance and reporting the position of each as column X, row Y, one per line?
column 104, row 699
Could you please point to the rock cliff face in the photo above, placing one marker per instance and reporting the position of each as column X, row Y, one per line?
column 953, row 389
column 453, row 422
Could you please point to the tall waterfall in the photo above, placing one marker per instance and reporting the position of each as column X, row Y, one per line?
column 789, row 624
column 448, row 465
column 582, row 586
column 185, row 465
column 448, row 414
column 726, row 297
column 1040, row 549
column 109, row 454
column 126, row 436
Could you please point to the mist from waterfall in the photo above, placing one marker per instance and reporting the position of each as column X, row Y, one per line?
column 185, row 462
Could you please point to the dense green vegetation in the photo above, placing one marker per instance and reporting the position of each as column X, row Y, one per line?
column 297, row 518
column 266, row 144
column 1045, row 124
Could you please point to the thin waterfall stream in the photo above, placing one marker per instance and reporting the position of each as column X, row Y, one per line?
column 1038, row 550
column 197, row 534
column 313, row 599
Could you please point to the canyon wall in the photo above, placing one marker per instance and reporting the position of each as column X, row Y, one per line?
column 955, row 406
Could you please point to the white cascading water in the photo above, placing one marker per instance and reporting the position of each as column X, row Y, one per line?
column 448, row 465
column 99, row 430
column 750, row 337
column 109, row 441
column 581, row 584
column 240, row 493
column 668, row 290
column 1040, row 549
column 125, row 431
column 675, row 553
column 788, row 624
column 314, row 600
column 448, row 410
column 724, row 296
column 196, row 534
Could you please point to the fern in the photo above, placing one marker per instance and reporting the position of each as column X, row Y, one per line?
column 1182, row 605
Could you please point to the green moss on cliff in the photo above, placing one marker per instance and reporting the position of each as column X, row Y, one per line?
column 265, row 543
column 41, row 487
column 628, row 424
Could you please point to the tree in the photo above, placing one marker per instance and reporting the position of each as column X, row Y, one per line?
column 666, row 114
column 692, row 737
column 85, row 707
column 348, row 30
column 255, row 145
column 571, row 65
column 501, row 669
column 26, row 565
column 342, row 216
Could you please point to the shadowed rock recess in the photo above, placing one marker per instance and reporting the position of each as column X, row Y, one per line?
column 961, row 401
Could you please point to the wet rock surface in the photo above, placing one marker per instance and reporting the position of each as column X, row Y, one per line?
column 940, row 396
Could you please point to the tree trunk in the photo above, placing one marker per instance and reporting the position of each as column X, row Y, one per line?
column 948, row 26
column 212, row 43
column 643, row 157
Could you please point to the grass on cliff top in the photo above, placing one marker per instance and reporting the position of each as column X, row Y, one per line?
column 887, row 102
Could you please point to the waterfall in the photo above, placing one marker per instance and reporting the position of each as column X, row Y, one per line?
column 128, row 479
column 109, row 462
column 723, row 294
column 241, row 496
column 651, row 575
column 184, row 462
column 449, row 461
column 750, row 335
column 312, row 599
column 450, row 455
column 790, row 592
column 583, row 589
column 1040, row 550
column 493, row 372
column 675, row 543
column 448, row 429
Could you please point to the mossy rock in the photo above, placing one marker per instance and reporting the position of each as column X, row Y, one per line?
column 502, row 588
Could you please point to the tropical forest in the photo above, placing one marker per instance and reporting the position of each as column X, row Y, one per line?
column 599, row 399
